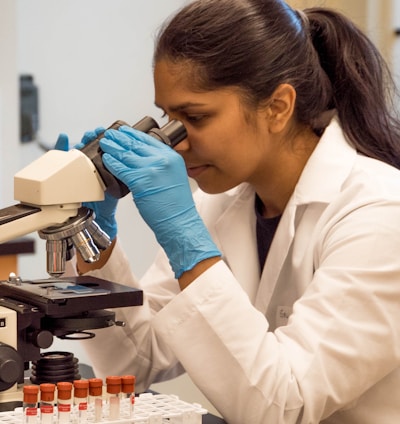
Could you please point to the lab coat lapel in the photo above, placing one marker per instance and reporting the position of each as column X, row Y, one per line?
column 236, row 234
column 276, row 258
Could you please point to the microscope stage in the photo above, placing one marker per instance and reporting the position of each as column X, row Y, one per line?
column 71, row 295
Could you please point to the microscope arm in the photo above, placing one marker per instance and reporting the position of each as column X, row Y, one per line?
column 51, row 190
column 20, row 219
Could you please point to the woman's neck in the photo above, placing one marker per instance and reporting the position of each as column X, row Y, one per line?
column 275, row 186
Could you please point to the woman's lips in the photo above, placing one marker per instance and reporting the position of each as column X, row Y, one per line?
column 195, row 171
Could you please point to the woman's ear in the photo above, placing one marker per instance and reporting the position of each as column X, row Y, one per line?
column 280, row 107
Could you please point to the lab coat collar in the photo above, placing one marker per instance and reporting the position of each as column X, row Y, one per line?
column 327, row 168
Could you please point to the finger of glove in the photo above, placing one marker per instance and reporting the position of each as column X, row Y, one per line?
column 119, row 169
column 129, row 151
column 89, row 136
column 104, row 214
column 62, row 143
column 106, row 206
column 136, row 153
column 102, row 211
column 141, row 163
column 145, row 138
column 135, row 137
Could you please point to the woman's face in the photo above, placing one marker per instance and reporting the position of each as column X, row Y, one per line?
column 223, row 147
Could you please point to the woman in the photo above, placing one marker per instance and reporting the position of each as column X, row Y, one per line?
column 278, row 293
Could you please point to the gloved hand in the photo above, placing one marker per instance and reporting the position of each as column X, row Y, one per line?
column 156, row 176
column 106, row 209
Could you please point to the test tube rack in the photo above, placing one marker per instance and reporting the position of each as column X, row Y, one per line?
column 149, row 409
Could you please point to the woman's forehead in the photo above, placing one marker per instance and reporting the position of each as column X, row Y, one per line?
column 178, row 72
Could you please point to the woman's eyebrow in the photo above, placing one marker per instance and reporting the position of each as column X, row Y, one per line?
column 181, row 106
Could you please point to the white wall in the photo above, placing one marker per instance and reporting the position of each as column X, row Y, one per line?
column 9, row 158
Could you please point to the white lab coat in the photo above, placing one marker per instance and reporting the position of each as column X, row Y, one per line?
column 316, row 339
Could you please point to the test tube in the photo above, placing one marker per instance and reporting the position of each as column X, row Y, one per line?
column 81, row 389
column 47, row 403
column 64, row 401
column 96, row 397
column 30, row 404
column 128, row 388
column 113, row 389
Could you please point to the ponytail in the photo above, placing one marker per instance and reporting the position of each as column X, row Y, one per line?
column 362, row 86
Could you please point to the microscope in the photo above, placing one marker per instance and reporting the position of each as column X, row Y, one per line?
column 50, row 192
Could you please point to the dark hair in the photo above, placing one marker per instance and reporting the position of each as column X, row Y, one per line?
column 256, row 45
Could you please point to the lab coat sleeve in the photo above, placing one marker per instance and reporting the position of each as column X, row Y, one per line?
column 240, row 366
column 134, row 348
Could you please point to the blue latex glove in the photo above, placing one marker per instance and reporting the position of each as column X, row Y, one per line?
column 106, row 209
column 62, row 143
column 156, row 176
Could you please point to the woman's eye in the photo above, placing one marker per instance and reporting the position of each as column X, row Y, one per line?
column 192, row 118
column 195, row 118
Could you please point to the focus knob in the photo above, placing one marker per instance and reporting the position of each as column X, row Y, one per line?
column 11, row 367
column 42, row 339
